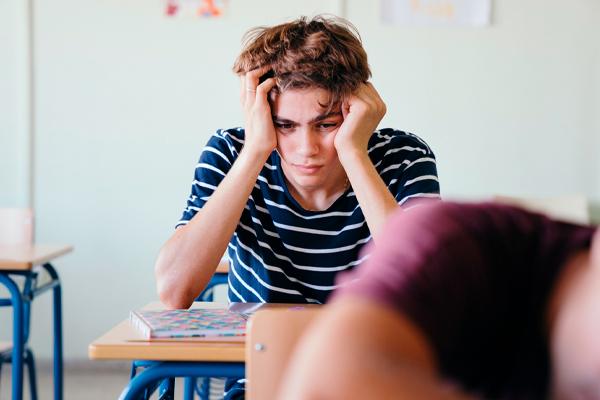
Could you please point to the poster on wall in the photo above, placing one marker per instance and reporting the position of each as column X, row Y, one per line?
column 195, row 8
column 476, row 13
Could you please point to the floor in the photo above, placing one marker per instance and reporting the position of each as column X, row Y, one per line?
column 84, row 380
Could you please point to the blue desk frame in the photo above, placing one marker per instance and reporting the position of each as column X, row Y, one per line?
column 21, row 304
column 161, row 370
column 188, row 370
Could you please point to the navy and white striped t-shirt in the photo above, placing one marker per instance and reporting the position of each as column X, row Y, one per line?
column 282, row 253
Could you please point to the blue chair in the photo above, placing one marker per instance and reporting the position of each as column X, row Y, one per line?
column 16, row 228
column 166, row 388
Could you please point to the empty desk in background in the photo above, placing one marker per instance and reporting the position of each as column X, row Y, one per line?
column 177, row 357
column 19, row 260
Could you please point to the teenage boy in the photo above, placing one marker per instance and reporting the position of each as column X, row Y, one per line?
column 461, row 302
column 297, row 192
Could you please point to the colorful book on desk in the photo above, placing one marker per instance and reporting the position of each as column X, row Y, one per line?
column 189, row 323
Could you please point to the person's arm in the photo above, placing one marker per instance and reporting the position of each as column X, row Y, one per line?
column 188, row 260
column 359, row 349
column 362, row 113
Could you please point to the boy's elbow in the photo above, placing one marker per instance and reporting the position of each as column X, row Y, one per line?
column 170, row 289
column 173, row 298
column 175, row 303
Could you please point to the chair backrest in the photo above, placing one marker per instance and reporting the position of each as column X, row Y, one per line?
column 570, row 208
column 16, row 226
column 272, row 336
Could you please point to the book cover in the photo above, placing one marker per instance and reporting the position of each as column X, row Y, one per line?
column 188, row 323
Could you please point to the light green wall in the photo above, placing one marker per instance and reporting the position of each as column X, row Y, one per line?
column 595, row 206
column 507, row 109
column 126, row 99
column 14, row 118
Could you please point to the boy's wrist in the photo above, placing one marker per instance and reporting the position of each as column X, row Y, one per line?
column 252, row 160
column 255, row 153
column 351, row 156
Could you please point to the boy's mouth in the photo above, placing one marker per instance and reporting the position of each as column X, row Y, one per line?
column 307, row 169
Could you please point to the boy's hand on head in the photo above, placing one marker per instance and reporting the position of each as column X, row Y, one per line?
column 258, row 121
column 362, row 113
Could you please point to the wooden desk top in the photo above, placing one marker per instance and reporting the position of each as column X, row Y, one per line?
column 125, row 343
column 26, row 257
column 223, row 267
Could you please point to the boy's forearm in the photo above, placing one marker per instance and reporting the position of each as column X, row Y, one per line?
column 187, row 262
column 375, row 199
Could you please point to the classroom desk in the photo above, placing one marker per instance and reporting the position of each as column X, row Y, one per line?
column 20, row 260
column 24, row 258
column 179, row 357
column 222, row 268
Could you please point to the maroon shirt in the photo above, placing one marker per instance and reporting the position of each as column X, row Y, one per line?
column 476, row 279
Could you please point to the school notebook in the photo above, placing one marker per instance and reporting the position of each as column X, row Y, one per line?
column 189, row 323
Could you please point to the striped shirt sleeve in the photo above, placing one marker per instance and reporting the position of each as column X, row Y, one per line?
column 216, row 160
column 409, row 167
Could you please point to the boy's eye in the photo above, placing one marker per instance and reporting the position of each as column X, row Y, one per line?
column 327, row 126
column 284, row 126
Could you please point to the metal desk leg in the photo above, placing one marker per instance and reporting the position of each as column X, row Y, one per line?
column 205, row 389
column 58, row 350
column 170, row 369
column 188, row 388
column 166, row 390
column 18, row 339
column 30, row 361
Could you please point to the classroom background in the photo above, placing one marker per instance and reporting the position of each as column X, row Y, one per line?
column 124, row 99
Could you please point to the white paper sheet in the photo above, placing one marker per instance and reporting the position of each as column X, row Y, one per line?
column 437, row 12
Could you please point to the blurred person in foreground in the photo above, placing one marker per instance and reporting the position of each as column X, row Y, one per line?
column 461, row 301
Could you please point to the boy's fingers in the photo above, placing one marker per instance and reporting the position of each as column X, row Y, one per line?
column 242, row 87
column 253, row 78
column 267, row 85
column 368, row 94
column 369, row 86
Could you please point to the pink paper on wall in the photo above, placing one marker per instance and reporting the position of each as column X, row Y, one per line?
column 195, row 8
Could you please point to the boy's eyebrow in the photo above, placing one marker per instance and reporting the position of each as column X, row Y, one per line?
column 277, row 118
column 325, row 116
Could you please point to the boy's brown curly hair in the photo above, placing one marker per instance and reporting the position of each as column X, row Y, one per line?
column 322, row 52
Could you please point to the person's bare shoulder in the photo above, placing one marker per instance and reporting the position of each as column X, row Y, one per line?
column 360, row 349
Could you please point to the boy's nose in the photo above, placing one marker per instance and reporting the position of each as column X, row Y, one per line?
column 308, row 144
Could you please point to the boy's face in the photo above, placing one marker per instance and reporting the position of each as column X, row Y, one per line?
column 305, row 139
